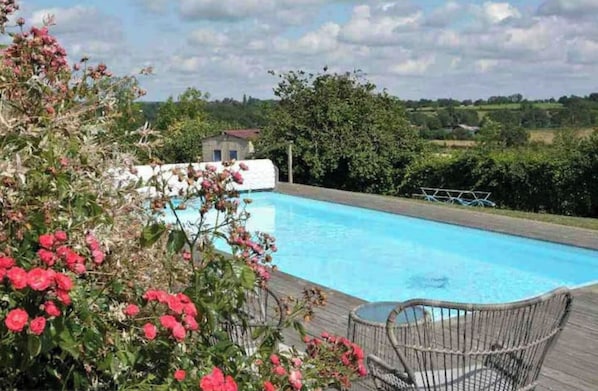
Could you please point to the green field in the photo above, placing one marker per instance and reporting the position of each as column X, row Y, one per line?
column 494, row 107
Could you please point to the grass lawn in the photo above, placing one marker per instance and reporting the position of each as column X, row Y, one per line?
column 579, row 222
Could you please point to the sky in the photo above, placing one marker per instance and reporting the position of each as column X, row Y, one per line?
column 414, row 49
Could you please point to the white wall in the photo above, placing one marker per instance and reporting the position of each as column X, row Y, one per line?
column 260, row 176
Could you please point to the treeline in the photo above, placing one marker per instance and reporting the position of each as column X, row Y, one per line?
column 575, row 112
column 249, row 112
column 493, row 100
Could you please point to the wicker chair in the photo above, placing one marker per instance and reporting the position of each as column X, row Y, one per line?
column 261, row 308
column 472, row 347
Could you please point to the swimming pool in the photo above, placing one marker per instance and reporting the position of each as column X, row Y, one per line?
column 380, row 256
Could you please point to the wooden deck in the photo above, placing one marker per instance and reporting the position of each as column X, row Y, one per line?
column 572, row 365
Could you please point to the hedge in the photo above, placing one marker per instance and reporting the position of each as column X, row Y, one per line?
column 551, row 179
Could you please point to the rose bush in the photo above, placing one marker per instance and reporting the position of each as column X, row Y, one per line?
column 97, row 291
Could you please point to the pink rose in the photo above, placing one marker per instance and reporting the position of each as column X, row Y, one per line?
column 150, row 331
column 178, row 332
column 17, row 277
column 180, row 374
column 46, row 256
column 47, row 241
column 168, row 321
column 38, row 325
column 61, row 236
column 51, row 308
column 131, row 310
column 16, row 320
column 39, row 279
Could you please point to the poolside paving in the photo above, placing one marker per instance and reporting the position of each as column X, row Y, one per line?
column 572, row 364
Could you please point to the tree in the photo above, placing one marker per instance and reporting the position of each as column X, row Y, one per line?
column 493, row 134
column 345, row 134
column 189, row 105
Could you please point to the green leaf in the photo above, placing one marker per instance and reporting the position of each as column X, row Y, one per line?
column 151, row 234
column 247, row 277
column 176, row 241
column 34, row 345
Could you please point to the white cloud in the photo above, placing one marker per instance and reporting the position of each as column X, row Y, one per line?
column 378, row 25
column 494, row 13
column 484, row 65
column 207, row 37
column 445, row 15
column 583, row 51
column 68, row 20
column 569, row 8
column 322, row 40
column 457, row 48
column 413, row 66
column 188, row 64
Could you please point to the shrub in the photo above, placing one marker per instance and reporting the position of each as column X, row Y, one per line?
column 97, row 292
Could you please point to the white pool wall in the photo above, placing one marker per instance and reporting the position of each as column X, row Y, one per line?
column 261, row 175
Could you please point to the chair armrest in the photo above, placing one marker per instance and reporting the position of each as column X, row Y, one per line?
column 385, row 376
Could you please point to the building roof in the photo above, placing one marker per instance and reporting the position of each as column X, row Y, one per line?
column 242, row 133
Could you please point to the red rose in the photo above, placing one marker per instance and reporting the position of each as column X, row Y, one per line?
column 274, row 359
column 17, row 277
column 178, row 331
column 51, row 308
column 269, row 386
column 175, row 304
column 180, row 374
column 131, row 310
column 78, row 269
column 98, row 256
column 216, row 381
column 362, row 370
column 150, row 331
column 190, row 309
column 37, row 325
column 6, row 262
column 47, row 241
column 295, row 379
column 39, row 279
column 63, row 296
column 60, row 236
column 63, row 282
column 72, row 257
column 168, row 321
column 46, row 256
column 190, row 323
column 16, row 320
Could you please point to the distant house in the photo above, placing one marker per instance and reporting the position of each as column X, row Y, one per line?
column 230, row 144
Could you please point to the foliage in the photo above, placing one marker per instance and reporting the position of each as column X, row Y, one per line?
column 97, row 292
column 345, row 134
column 495, row 135
column 249, row 113
column 184, row 140
column 184, row 124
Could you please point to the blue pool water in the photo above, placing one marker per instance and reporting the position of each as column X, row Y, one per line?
column 380, row 256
